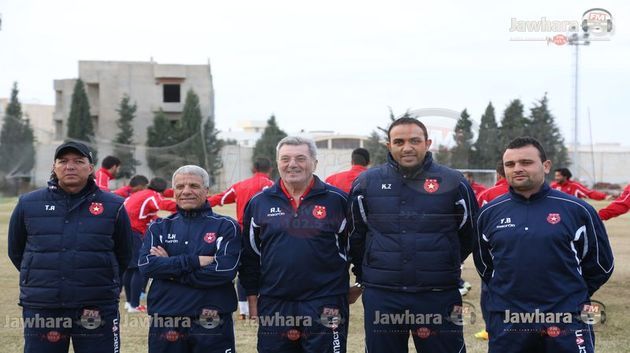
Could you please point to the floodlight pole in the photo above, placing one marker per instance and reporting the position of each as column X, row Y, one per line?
column 576, row 39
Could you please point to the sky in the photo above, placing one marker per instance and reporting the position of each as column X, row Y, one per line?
column 335, row 65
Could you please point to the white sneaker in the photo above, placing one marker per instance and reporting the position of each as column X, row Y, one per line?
column 467, row 285
column 463, row 291
column 127, row 305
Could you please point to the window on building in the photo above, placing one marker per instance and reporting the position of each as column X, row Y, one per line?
column 58, row 130
column 171, row 93
column 58, row 100
column 323, row 144
column 95, row 123
column 347, row 144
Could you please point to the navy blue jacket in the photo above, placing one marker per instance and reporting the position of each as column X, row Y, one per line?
column 70, row 249
column 411, row 233
column 296, row 254
column 549, row 252
column 181, row 287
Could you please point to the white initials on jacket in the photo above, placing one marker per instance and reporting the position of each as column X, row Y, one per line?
column 171, row 238
column 50, row 207
column 386, row 186
column 506, row 223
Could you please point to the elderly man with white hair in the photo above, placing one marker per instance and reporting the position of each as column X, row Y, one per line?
column 193, row 257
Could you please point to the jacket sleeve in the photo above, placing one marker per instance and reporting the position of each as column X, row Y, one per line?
column 591, row 194
column 163, row 267
column 357, row 231
column 122, row 239
column 226, row 197
column 597, row 258
column 226, row 259
column 468, row 208
column 166, row 205
column 17, row 236
column 481, row 250
column 618, row 207
column 249, row 273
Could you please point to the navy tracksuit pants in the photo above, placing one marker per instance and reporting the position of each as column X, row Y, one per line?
column 507, row 337
column 93, row 329
column 189, row 335
column 314, row 326
column 391, row 316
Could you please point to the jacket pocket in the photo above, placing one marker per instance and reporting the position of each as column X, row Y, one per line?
column 25, row 271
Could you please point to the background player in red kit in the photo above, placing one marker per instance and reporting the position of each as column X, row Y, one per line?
column 109, row 168
column 360, row 159
column 563, row 182
column 142, row 207
column 244, row 190
column 618, row 207
column 241, row 193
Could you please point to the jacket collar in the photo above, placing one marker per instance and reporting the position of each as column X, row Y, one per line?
column 415, row 173
column 544, row 190
column 53, row 185
column 318, row 187
column 205, row 209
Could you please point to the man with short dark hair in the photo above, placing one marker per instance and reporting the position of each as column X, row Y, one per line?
column 543, row 254
column 244, row 190
column 360, row 159
column 411, row 228
column 109, row 168
column 136, row 183
column 562, row 181
column 71, row 243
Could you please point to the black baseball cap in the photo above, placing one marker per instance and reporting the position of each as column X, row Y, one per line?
column 77, row 146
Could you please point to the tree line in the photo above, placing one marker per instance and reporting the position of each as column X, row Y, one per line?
column 484, row 151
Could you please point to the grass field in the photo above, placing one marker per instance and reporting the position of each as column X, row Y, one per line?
column 613, row 337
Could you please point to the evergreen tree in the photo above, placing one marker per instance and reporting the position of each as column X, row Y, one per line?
column 487, row 148
column 443, row 155
column 124, row 148
column 377, row 149
column 79, row 121
column 163, row 160
column 266, row 144
column 463, row 136
column 17, row 149
column 190, row 131
column 542, row 126
column 513, row 124
column 213, row 148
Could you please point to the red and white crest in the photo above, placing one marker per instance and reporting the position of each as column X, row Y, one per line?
column 431, row 185
column 554, row 218
column 319, row 212
column 96, row 208
column 210, row 237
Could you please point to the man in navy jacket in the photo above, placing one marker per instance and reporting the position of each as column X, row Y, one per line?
column 542, row 254
column 411, row 228
column 295, row 257
column 192, row 257
column 71, row 243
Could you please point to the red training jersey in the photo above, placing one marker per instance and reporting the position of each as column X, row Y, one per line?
column 102, row 178
column 241, row 193
column 125, row 191
column 343, row 180
column 500, row 188
column 578, row 190
column 618, row 207
column 478, row 188
column 143, row 206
